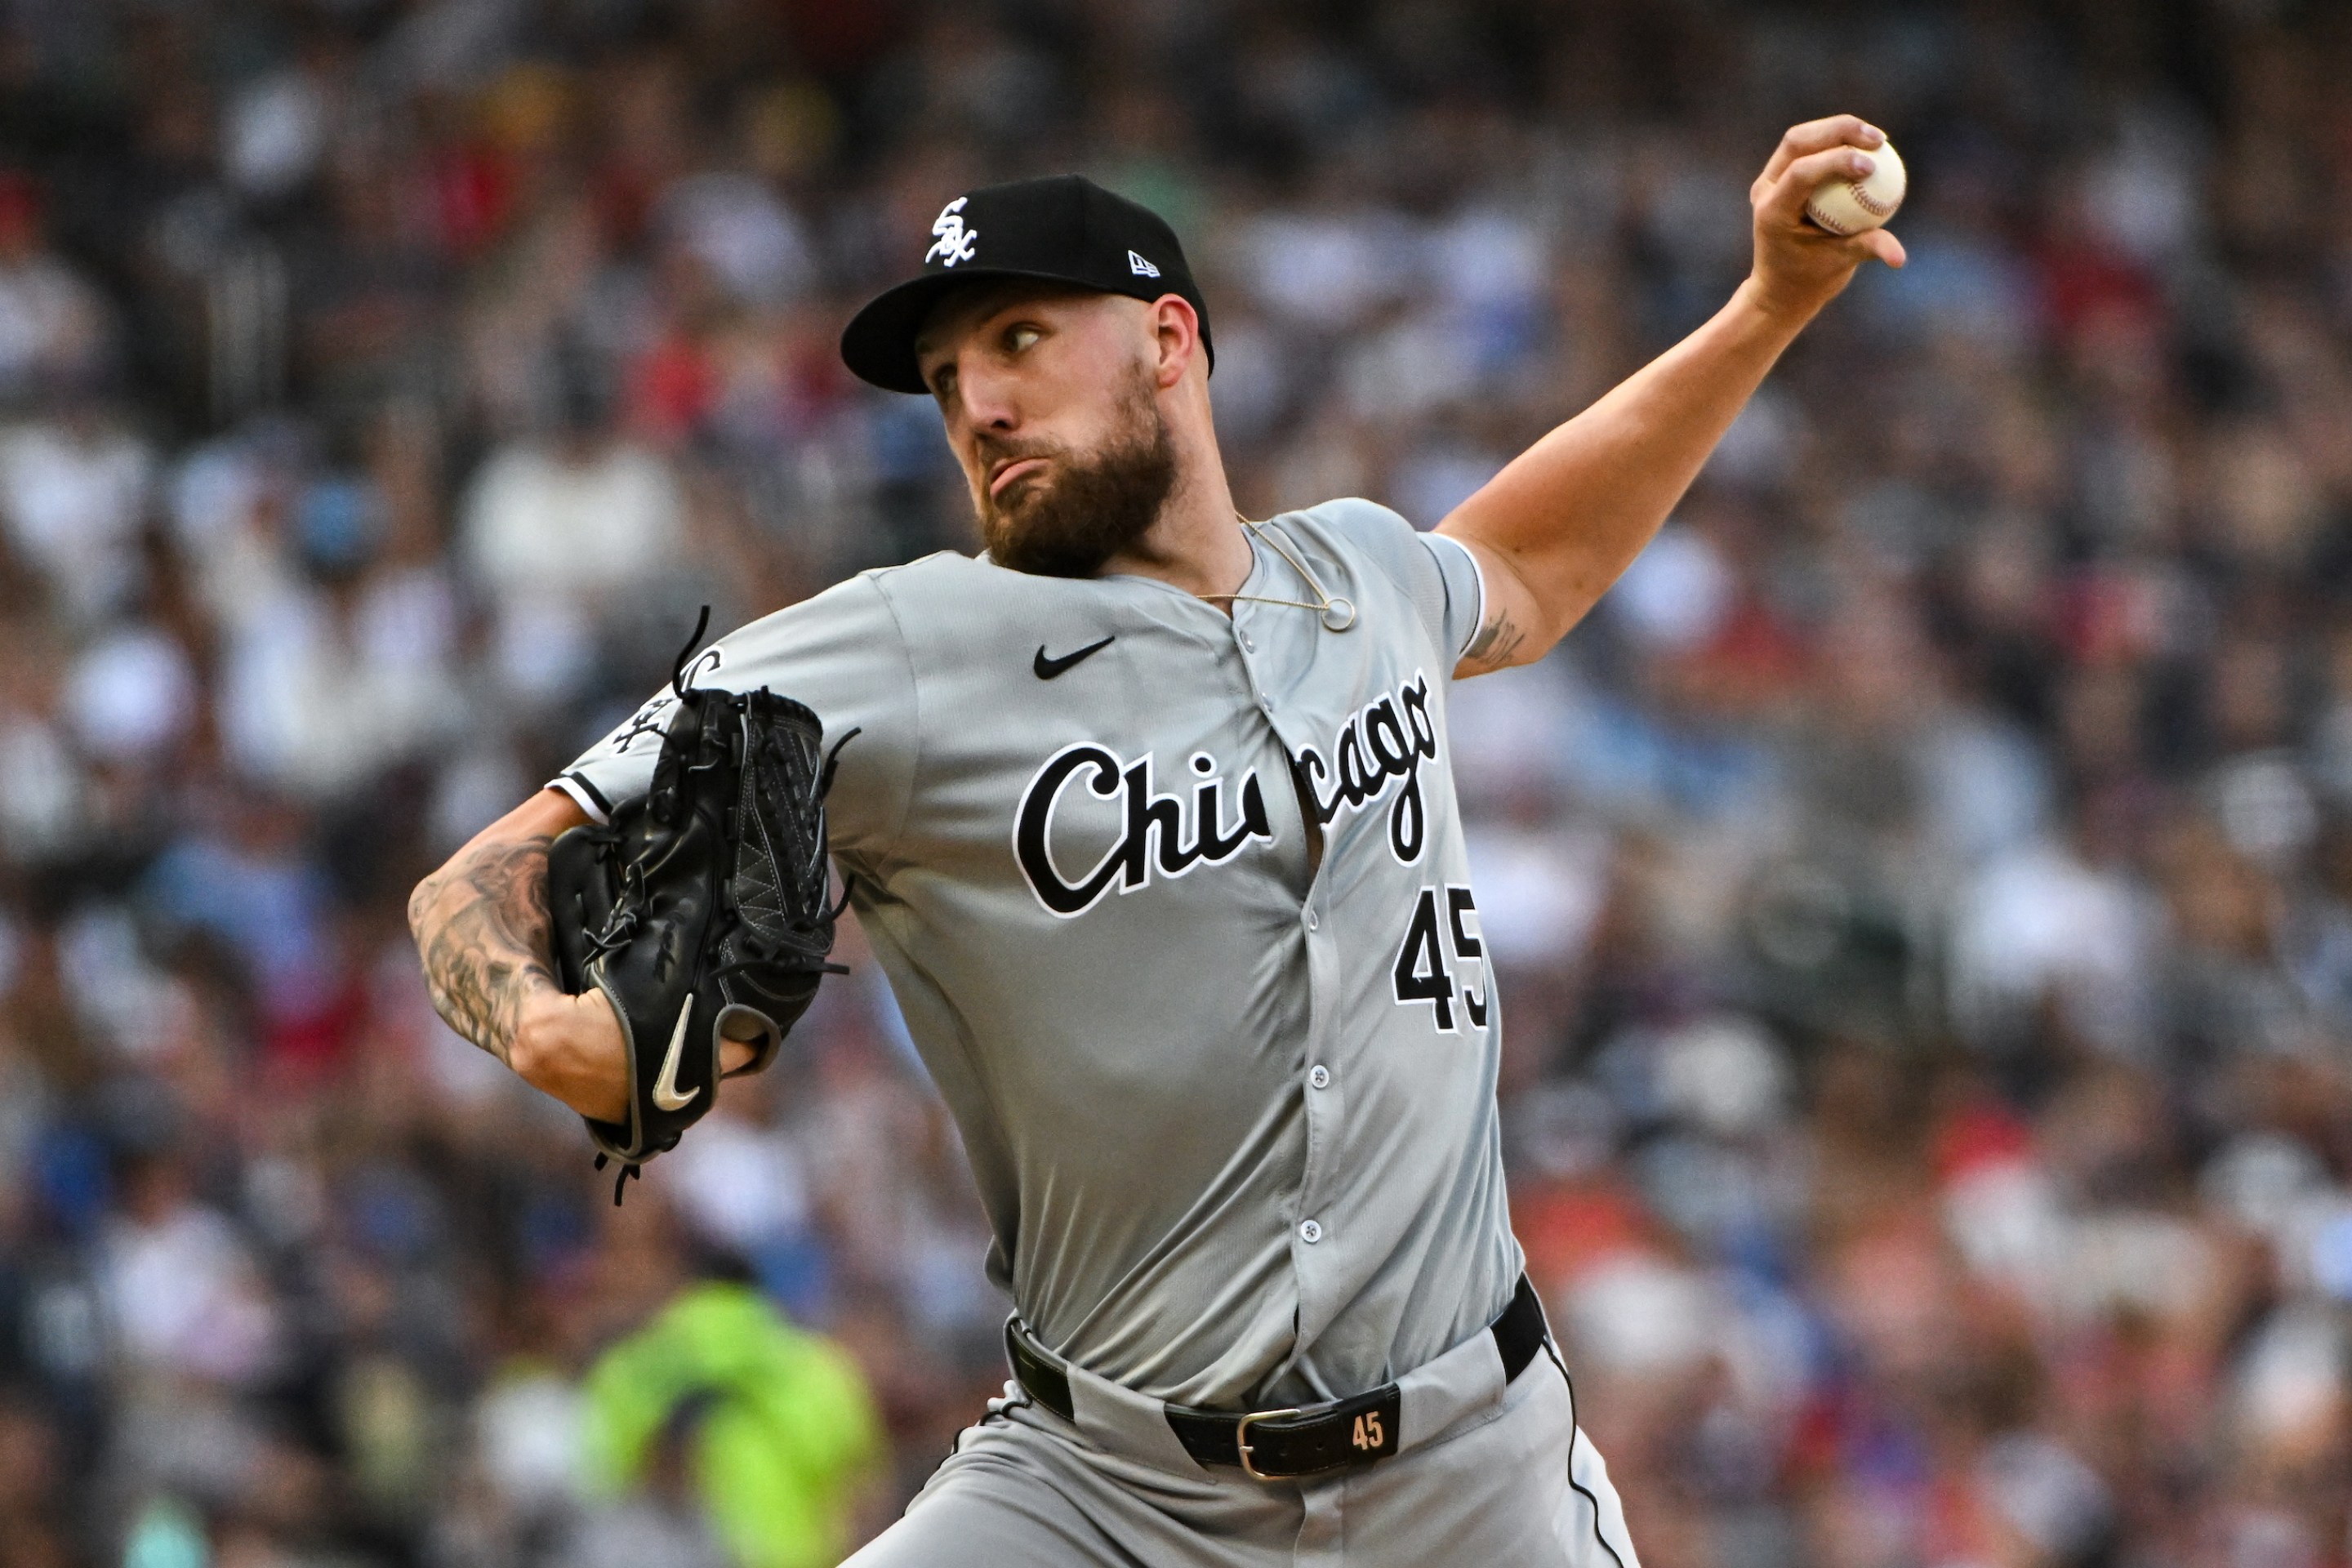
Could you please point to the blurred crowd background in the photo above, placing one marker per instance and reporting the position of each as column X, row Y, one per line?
column 1923, row 892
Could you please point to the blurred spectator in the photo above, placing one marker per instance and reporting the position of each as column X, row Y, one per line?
column 73, row 490
column 556, row 531
column 584, row 513
column 53, row 324
column 780, row 1427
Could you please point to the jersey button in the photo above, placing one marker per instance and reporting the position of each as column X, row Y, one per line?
column 1320, row 1076
column 1265, row 702
column 1312, row 923
column 1247, row 645
column 1309, row 1232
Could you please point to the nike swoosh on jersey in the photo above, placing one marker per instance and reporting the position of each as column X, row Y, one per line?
column 1049, row 668
column 665, row 1094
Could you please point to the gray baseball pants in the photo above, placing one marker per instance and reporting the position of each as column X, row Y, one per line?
column 1498, row 1477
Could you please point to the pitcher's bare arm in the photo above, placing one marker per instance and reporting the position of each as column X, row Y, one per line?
column 1565, row 518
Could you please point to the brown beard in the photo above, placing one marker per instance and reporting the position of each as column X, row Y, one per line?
column 1085, row 509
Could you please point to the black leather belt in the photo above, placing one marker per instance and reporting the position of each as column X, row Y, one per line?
column 1279, row 1444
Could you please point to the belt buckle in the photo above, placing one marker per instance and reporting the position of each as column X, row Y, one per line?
column 1241, row 1444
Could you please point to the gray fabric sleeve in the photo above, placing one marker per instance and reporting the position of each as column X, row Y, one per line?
column 1465, row 590
column 1437, row 573
column 841, row 654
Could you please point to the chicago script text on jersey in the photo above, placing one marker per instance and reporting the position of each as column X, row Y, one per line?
column 1386, row 738
column 1152, row 835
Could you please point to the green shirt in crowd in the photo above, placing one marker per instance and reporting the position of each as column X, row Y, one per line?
column 788, row 1430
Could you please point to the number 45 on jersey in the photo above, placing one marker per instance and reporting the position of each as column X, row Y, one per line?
column 1422, row 973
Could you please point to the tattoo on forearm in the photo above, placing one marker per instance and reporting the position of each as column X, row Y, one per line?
column 1496, row 641
column 481, row 925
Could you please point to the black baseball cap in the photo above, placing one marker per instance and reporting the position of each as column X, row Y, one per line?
column 1062, row 229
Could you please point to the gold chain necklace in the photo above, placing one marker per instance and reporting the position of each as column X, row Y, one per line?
column 1329, row 608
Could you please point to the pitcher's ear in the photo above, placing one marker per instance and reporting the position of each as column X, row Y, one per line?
column 1177, row 326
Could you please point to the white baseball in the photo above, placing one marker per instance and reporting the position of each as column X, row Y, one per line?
column 1849, row 207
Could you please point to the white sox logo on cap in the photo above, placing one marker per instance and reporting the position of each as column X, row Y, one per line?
column 953, row 242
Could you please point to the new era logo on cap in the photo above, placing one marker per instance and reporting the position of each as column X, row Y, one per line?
column 1140, row 268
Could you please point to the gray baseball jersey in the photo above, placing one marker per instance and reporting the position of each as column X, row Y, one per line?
column 1177, row 909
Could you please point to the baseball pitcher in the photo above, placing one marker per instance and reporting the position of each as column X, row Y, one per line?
column 1148, row 812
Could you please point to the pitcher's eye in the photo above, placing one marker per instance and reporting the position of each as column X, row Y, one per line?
column 1018, row 338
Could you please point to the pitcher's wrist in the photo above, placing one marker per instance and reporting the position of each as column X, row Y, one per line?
column 570, row 1047
column 1785, row 307
column 545, row 1043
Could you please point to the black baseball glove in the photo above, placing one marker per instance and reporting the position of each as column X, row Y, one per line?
column 702, row 911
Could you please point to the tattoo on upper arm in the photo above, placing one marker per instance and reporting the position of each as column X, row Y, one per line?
column 481, row 925
column 1496, row 642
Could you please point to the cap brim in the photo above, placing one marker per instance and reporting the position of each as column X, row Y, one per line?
column 878, row 344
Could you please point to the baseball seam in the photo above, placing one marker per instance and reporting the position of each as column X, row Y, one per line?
column 1870, row 203
column 1813, row 210
column 1861, row 198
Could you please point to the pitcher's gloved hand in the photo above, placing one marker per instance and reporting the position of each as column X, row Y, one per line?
column 702, row 913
